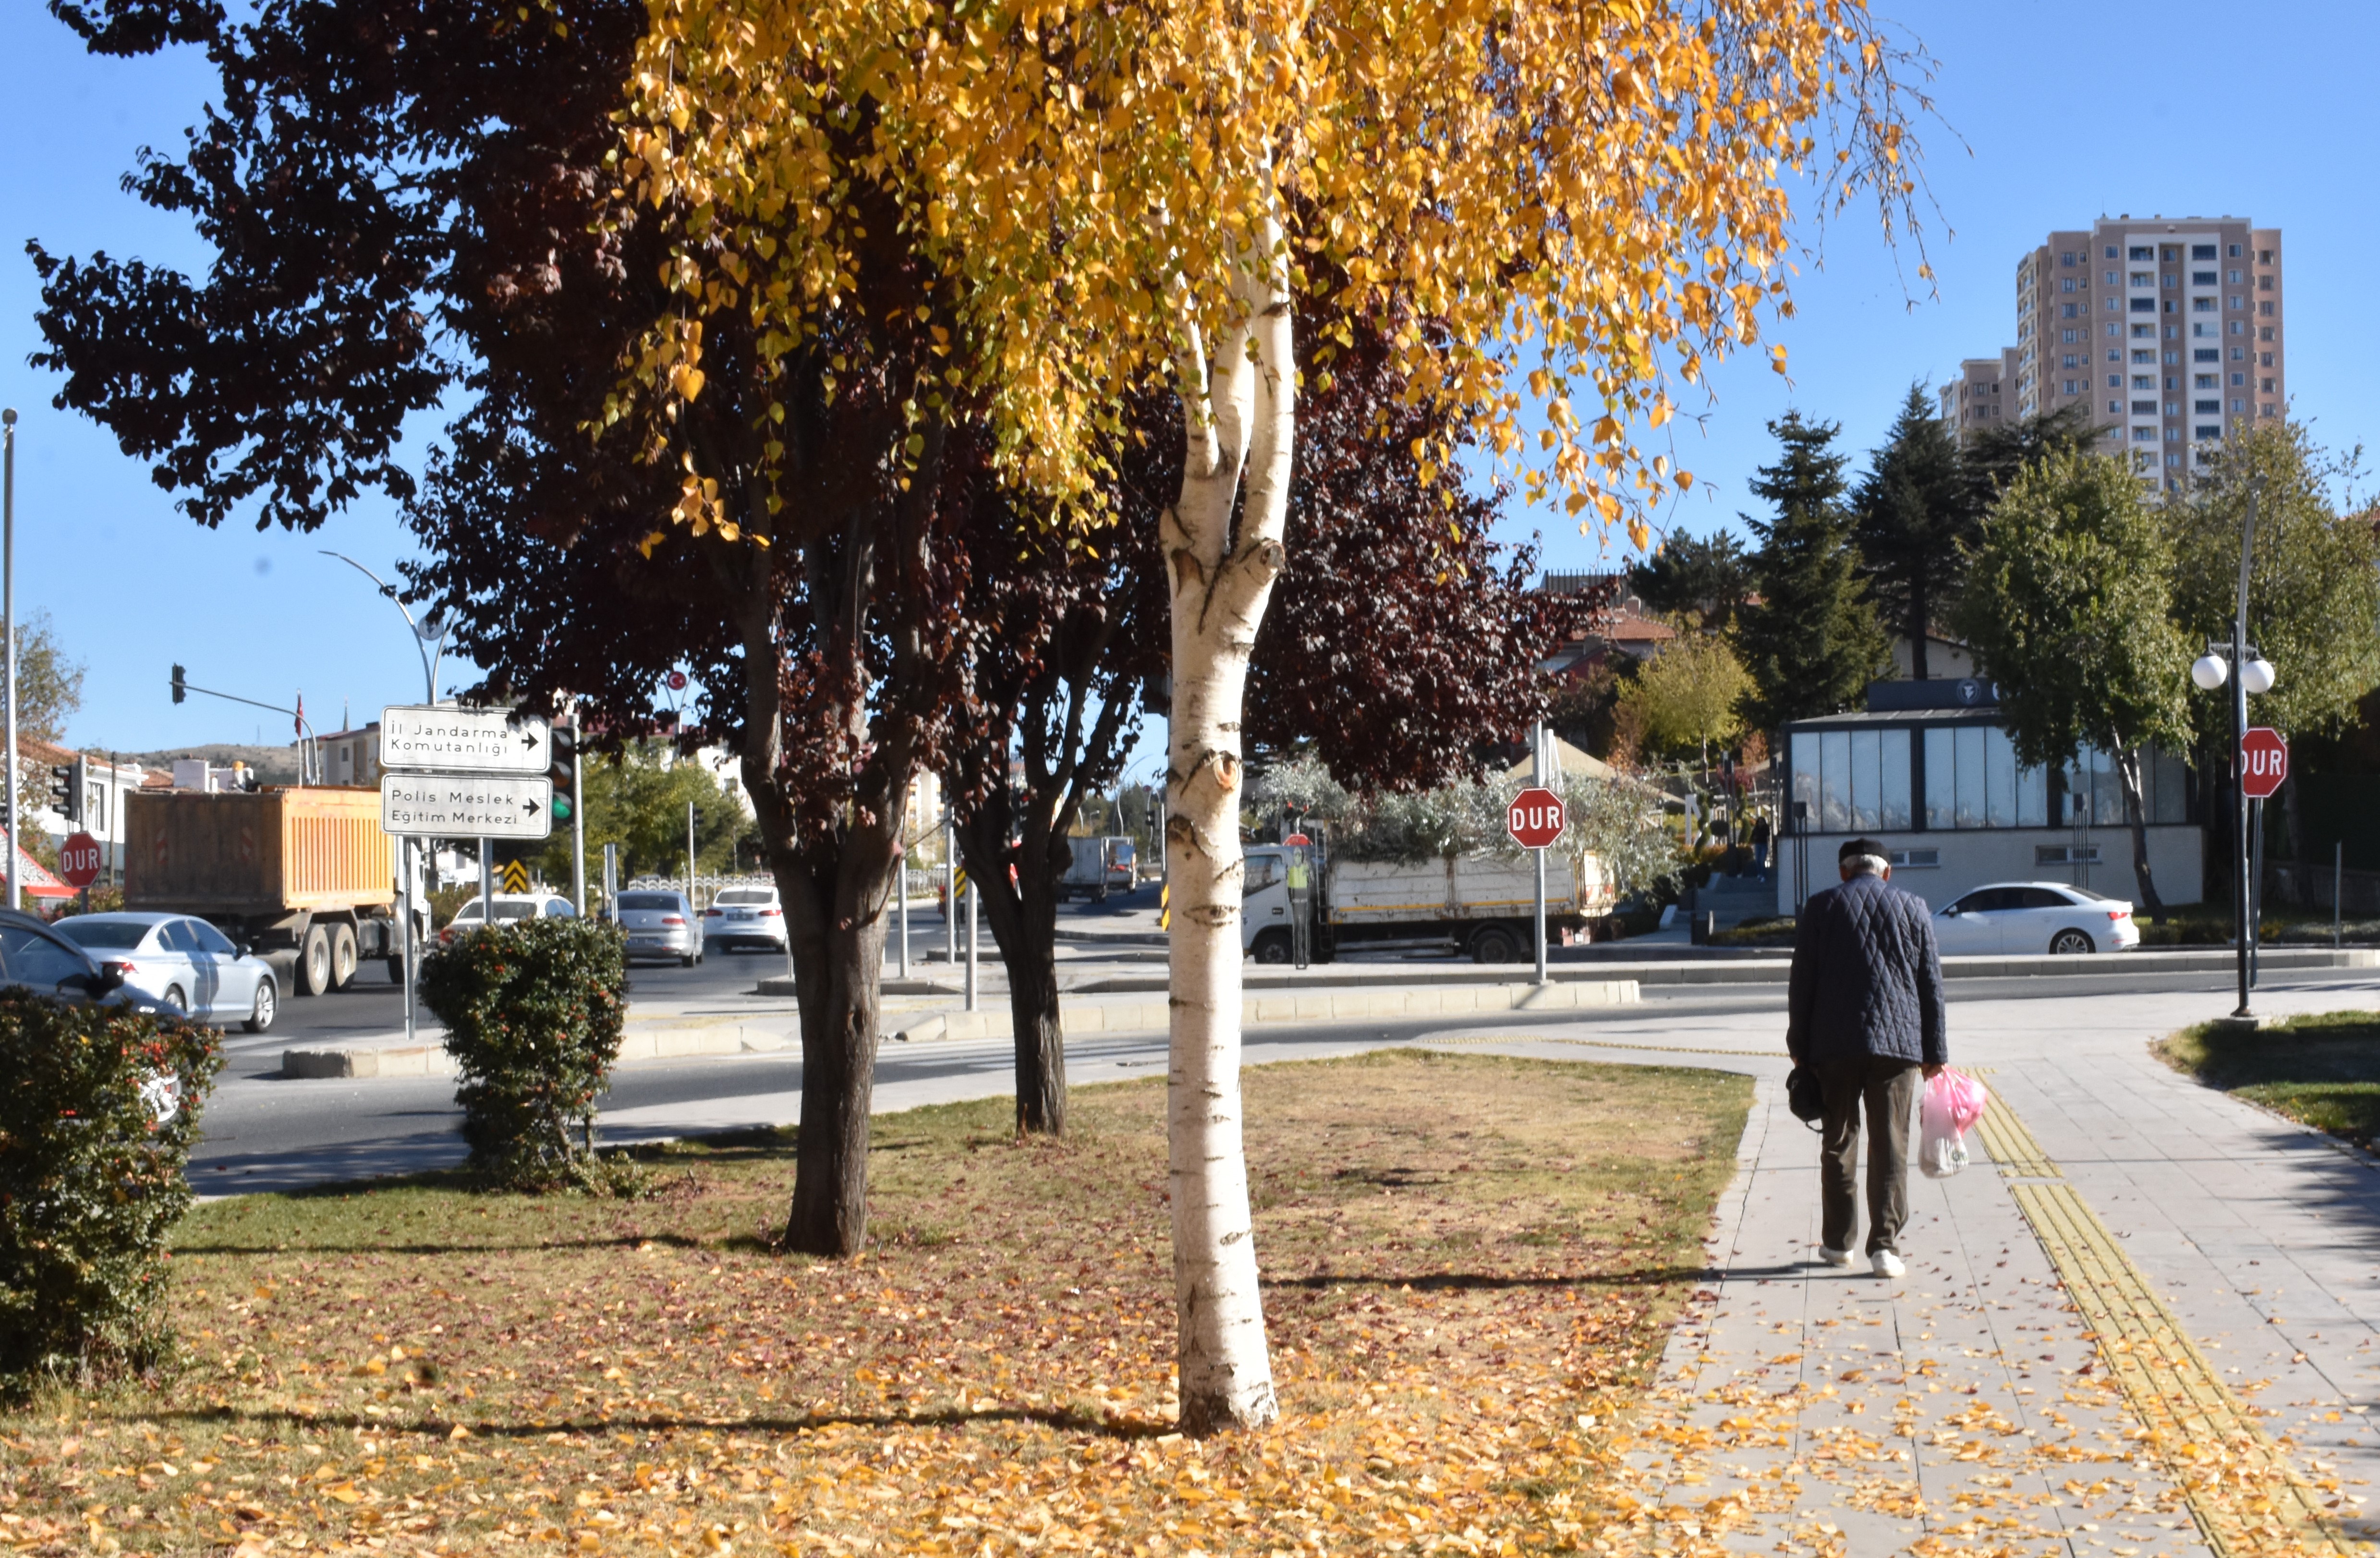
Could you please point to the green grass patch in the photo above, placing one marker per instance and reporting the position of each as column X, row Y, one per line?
column 2322, row 1070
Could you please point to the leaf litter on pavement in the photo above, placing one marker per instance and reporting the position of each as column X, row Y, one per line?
column 1471, row 1265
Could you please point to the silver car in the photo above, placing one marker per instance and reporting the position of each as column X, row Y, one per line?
column 180, row 962
column 746, row 916
column 661, row 925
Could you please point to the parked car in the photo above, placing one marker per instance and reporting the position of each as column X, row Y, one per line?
column 179, row 961
column 746, row 916
column 509, row 906
column 2034, row 917
column 661, row 925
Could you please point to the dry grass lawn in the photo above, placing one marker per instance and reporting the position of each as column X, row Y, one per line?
column 1470, row 1260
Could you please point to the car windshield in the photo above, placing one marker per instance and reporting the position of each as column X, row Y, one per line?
column 648, row 900
column 113, row 933
column 746, row 896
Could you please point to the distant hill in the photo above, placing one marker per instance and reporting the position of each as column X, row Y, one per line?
column 274, row 765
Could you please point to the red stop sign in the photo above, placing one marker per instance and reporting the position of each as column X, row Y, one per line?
column 1537, row 818
column 81, row 860
column 2263, row 762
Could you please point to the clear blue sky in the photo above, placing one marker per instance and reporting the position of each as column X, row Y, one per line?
column 2055, row 132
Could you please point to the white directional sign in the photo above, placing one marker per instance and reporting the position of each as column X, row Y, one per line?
column 454, row 806
column 462, row 741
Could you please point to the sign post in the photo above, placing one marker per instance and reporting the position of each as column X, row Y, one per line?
column 450, row 773
column 1536, row 820
column 2264, row 765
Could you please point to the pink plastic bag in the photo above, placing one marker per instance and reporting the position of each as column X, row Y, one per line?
column 1953, row 1102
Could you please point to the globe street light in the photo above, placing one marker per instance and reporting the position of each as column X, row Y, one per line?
column 2210, row 671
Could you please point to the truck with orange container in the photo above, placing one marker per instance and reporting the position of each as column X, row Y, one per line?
column 302, row 876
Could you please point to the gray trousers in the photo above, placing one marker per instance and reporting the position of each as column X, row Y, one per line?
column 1886, row 1088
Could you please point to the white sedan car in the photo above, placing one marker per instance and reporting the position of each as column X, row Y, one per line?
column 508, row 905
column 180, row 961
column 2024, row 917
column 746, row 916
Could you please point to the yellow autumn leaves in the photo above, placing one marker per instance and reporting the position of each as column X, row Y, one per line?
column 1583, row 197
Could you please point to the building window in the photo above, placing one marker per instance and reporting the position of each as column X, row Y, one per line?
column 2066, row 386
column 2173, row 436
column 2204, row 381
column 2066, row 311
column 2201, row 305
column 2070, row 361
column 2237, row 327
column 2204, row 431
column 2202, row 278
column 2115, row 407
column 2263, row 284
column 2202, row 251
column 2238, row 406
column 2265, row 385
column 2066, row 259
column 2238, row 353
column 2238, row 380
column 2263, row 333
column 1853, row 780
column 2264, row 359
column 2115, row 381
column 2139, row 356
column 2174, row 458
column 2144, row 381
column 2067, row 286
column 2232, row 251
column 2170, row 281
column 2144, row 332
column 2268, row 409
column 2143, row 278
column 1973, row 781
column 2233, row 301
column 2266, row 309
column 2206, row 354
column 2264, row 257
column 2141, row 252
column 2143, row 435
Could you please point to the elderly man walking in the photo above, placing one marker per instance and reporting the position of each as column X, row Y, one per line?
column 1866, row 1017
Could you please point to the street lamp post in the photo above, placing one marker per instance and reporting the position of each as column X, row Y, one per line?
column 430, row 641
column 2247, row 672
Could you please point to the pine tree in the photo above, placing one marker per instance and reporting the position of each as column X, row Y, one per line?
column 1915, row 511
column 1811, row 643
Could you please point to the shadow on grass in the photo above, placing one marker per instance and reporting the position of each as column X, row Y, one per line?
column 2322, row 1071
column 623, row 1241
column 1123, row 1429
column 1490, row 1282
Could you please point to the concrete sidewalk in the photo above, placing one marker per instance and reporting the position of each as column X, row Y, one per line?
column 2146, row 1326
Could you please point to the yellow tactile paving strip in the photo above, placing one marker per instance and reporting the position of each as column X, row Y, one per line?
column 2248, row 1500
column 2011, row 1145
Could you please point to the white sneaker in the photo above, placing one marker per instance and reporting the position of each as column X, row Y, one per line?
column 1834, row 1257
column 1884, row 1263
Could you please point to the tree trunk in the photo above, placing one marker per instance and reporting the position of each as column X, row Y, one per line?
column 839, row 964
column 1919, row 630
column 2128, row 769
column 1025, row 924
column 1239, row 422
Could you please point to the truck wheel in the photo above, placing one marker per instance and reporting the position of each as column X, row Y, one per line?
column 1495, row 944
column 343, row 956
column 1273, row 946
column 314, row 961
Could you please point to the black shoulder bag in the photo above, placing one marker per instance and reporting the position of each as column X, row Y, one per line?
column 1805, row 1097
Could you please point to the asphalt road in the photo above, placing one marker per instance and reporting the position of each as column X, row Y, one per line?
column 264, row 1132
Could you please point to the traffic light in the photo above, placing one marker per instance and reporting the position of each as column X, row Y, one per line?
column 181, row 684
column 562, row 772
column 65, row 798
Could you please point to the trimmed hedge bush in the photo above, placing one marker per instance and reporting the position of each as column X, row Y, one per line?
column 533, row 1010
column 91, row 1181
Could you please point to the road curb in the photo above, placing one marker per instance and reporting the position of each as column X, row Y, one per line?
column 1266, row 1008
column 431, row 1060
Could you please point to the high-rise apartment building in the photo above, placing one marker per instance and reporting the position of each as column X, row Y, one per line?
column 2169, row 333
column 1981, row 394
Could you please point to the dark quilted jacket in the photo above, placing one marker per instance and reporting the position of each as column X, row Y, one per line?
column 1866, row 978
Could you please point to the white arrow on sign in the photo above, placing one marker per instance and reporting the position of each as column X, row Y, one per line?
column 448, row 806
column 462, row 740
